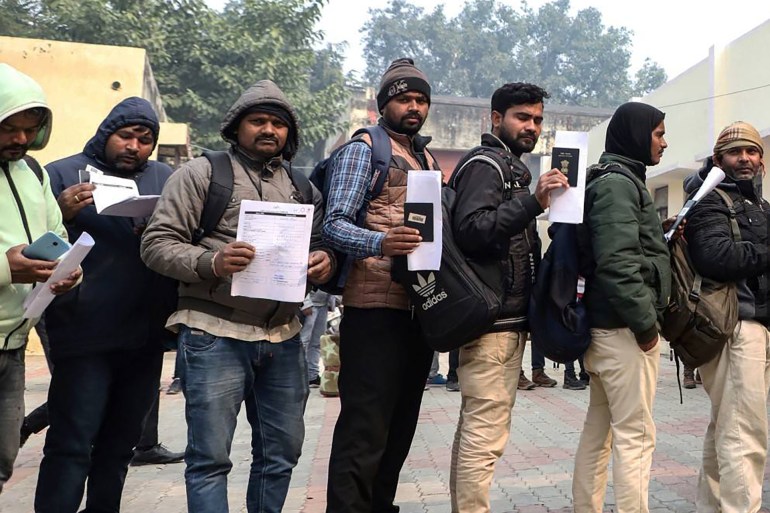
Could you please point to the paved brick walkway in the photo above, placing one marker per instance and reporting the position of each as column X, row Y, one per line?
column 533, row 476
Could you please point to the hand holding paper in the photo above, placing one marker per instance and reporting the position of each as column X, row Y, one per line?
column 115, row 196
column 713, row 179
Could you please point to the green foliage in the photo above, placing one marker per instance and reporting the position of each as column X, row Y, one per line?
column 576, row 58
column 203, row 59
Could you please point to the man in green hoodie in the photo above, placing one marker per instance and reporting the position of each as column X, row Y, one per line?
column 27, row 211
column 625, row 297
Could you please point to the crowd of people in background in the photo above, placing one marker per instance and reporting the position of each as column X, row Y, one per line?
column 164, row 281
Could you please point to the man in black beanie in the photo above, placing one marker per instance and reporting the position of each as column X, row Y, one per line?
column 386, row 360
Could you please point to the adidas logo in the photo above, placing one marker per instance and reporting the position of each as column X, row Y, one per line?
column 426, row 289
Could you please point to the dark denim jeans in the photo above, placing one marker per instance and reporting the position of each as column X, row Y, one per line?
column 218, row 374
column 96, row 404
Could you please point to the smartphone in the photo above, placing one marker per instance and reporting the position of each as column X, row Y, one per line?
column 48, row 247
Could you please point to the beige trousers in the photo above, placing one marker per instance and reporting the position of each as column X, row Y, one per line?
column 618, row 423
column 488, row 374
column 735, row 446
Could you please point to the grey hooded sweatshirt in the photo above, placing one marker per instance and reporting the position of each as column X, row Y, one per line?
column 166, row 245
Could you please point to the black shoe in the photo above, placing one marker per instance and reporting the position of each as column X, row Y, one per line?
column 156, row 455
column 315, row 382
column 584, row 377
column 452, row 386
column 572, row 383
column 174, row 387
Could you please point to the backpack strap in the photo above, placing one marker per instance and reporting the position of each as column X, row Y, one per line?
column 382, row 152
column 35, row 166
column 301, row 182
column 506, row 177
column 218, row 196
column 736, row 233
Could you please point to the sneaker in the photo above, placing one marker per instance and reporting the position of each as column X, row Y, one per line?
column 438, row 379
column 452, row 386
column 571, row 382
column 155, row 455
column 524, row 383
column 315, row 382
column 174, row 387
column 689, row 378
column 541, row 379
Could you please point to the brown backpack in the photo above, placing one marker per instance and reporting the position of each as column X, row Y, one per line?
column 702, row 313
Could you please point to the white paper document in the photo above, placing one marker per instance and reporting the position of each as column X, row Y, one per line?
column 280, row 233
column 567, row 205
column 425, row 187
column 41, row 296
column 115, row 196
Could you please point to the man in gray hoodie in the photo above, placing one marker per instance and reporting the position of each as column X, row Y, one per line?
column 235, row 349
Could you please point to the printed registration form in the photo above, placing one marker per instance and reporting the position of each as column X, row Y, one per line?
column 280, row 233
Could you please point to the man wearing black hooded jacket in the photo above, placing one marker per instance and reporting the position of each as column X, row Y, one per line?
column 625, row 298
column 737, row 380
column 106, row 337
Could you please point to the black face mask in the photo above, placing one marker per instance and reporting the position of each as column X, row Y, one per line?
column 630, row 131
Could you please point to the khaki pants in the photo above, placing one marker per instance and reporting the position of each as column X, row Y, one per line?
column 488, row 374
column 735, row 446
column 618, row 422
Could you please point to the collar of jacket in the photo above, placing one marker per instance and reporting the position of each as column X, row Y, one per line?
column 520, row 170
column 636, row 167
column 416, row 142
column 261, row 166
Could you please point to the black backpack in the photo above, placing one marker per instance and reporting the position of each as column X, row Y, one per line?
column 558, row 320
column 462, row 300
column 221, row 190
column 321, row 177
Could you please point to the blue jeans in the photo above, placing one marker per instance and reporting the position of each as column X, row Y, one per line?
column 217, row 375
column 313, row 327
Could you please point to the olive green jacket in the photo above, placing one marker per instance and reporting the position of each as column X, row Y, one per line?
column 631, row 283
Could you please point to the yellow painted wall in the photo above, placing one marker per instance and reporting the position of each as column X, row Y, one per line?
column 78, row 81
column 732, row 83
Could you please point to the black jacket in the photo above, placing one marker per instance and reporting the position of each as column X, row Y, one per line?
column 488, row 228
column 714, row 253
column 121, row 304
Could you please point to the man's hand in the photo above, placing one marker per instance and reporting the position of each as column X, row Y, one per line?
column 400, row 241
column 73, row 199
column 679, row 229
column 553, row 179
column 649, row 345
column 60, row 287
column 232, row 258
column 319, row 267
column 25, row 270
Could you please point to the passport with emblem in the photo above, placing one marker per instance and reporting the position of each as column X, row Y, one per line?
column 566, row 160
column 420, row 216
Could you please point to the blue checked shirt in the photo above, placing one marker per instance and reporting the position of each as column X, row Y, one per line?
column 350, row 180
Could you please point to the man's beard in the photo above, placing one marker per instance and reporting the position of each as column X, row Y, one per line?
column 402, row 127
column 19, row 150
column 516, row 144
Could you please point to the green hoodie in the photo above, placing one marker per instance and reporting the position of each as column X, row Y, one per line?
column 18, row 92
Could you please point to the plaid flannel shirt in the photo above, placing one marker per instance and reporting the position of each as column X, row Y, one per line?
column 350, row 180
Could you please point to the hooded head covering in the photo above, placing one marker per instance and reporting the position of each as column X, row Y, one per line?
column 131, row 111
column 629, row 133
column 401, row 76
column 264, row 96
column 19, row 92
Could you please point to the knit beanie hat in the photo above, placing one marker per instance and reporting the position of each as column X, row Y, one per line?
column 737, row 135
column 401, row 76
